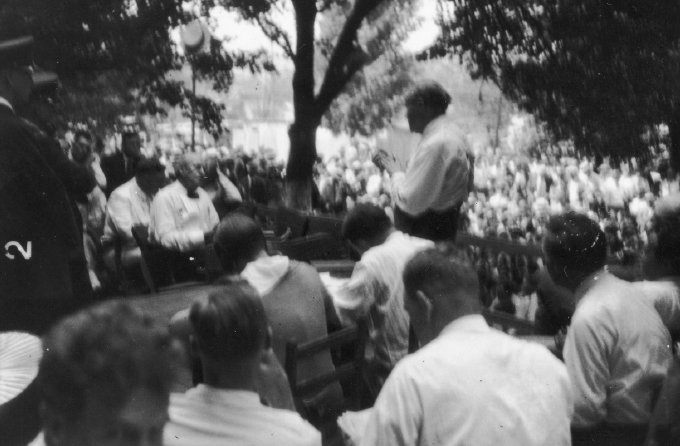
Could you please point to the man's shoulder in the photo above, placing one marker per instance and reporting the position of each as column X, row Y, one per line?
column 124, row 191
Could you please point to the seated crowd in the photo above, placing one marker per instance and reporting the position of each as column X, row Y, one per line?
column 108, row 372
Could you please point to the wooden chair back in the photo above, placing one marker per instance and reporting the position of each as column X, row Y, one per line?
column 349, row 374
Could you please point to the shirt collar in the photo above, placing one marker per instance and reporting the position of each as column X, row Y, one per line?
column 590, row 282
column 241, row 398
column 6, row 103
column 468, row 323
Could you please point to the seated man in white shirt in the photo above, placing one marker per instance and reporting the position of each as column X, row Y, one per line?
column 105, row 379
column 233, row 340
column 130, row 205
column 470, row 384
column 375, row 290
column 618, row 348
column 183, row 217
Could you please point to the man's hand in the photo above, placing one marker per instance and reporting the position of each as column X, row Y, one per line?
column 386, row 161
column 272, row 382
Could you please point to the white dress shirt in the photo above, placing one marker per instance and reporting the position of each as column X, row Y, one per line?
column 128, row 206
column 179, row 222
column 617, row 349
column 209, row 416
column 474, row 385
column 438, row 172
column 376, row 284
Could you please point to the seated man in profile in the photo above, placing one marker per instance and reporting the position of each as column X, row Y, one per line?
column 129, row 206
column 375, row 290
column 231, row 332
column 295, row 300
column 105, row 379
column 618, row 348
column 469, row 384
column 183, row 217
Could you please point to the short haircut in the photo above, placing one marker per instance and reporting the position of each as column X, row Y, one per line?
column 430, row 94
column 576, row 241
column 230, row 323
column 441, row 271
column 112, row 350
column 238, row 238
column 364, row 222
column 149, row 165
column 665, row 225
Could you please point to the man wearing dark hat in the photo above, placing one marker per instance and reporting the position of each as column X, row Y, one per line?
column 42, row 265
column 429, row 194
column 119, row 167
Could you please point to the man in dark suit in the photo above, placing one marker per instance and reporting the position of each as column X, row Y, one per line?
column 41, row 254
column 119, row 167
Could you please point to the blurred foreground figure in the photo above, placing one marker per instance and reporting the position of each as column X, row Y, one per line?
column 42, row 265
column 618, row 347
column 105, row 379
column 663, row 263
column 234, row 343
column 469, row 384
column 428, row 195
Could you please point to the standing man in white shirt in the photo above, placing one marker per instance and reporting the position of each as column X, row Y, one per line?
column 438, row 177
column 183, row 217
column 375, row 291
column 470, row 384
column 240, row 370
column 618, row 348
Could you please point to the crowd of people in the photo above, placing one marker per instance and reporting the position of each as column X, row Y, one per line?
column 434, row 371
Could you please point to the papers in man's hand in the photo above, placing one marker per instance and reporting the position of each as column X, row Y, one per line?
column 353, row 424
column 400, row 143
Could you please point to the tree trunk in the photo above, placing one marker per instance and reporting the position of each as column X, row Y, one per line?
column 301, row 158
column 674, row 133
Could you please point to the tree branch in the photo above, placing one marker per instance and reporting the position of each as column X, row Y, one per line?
column 347, row 58
column 276, row 34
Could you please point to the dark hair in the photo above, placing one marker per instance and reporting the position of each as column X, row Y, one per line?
column 238, row 238
column 111, row 349
column 576, row 241
column 127, row 136
column 429, row 94
column 230, row 324
column 364, row 222
column 82, row 134
column 149, row 165
column 442, row 271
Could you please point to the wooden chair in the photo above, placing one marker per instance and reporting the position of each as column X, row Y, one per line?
column 324, row 225
column 157, row 263
column 141, row 236
column 311, row 247
column 348, row 374
column 290, row 221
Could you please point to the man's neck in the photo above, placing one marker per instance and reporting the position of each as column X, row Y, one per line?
column 232, row 376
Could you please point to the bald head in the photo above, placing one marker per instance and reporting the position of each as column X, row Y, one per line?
column 189, row 169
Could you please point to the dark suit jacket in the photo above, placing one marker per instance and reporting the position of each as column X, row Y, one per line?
column 116, row 171
column 36, row 281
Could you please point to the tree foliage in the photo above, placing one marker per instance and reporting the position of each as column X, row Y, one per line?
column 597, row 71
column 345, row 54
column 113, row 57
column 373, row 96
